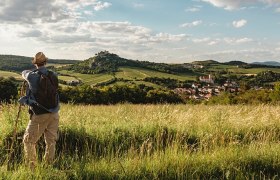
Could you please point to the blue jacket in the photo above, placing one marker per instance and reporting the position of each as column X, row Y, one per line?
column 32, row 79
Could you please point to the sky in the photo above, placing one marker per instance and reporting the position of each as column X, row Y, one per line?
column 170, row 31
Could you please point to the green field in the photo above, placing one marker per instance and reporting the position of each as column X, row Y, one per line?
column 7, row 74
column 89, row 79
column 67, row 78
column 139, row 73
column 238, row 70
column 127, row 73
column 254, row 70
column 57, row 65
column 121, row 83
column 155, row 142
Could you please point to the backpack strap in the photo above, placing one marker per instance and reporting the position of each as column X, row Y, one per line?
column 50, row 73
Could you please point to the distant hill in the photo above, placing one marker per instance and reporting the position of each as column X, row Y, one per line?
column 268, row 63
column 205, row 62
column 106, row 62
column 19, row 63
column 236, row 63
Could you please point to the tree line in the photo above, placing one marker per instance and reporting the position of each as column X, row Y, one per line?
column 136, row 94
column 262, row 96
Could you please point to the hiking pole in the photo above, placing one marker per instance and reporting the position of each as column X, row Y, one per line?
column 10, row 164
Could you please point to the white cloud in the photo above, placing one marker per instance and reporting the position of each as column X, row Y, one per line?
column 89, row 13
column 33, row 11
column 87, row 38
column 234, row 41
column 27, row 11
column 201, row 40
column 211, row 43
column 31, row 33
column 138, row 5
column 243, row 40
column 227, row 40
column 271, row 2
column 106, row 34
column 237, row 4
column 240, row 23
column 101, row 5
column 206, row 40
column 109, row 29
column 192, row 9
column 277, row 10
column 165, row 37
column 192, row 24
column 226, row 4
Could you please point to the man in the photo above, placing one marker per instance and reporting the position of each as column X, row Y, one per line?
column 44, row 118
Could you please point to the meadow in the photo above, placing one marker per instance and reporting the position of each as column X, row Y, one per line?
column 241, row 71
column 140, row 73
column 89, row 79
column 7, row 74
column 153, row 142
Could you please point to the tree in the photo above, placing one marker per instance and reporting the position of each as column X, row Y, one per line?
column 8, row 90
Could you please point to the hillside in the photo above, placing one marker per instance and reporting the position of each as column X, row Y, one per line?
column 237, row 63
column 268, row 63
column 20, row 63
column 205, row 62
column 109, row 69
column 127, row 75
column 105, row 62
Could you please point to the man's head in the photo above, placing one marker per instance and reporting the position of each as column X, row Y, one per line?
column 40, row 59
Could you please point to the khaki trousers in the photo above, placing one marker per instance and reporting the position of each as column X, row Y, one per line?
column 39, row 124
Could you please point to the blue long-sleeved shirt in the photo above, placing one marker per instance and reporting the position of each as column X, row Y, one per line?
column 32, row 79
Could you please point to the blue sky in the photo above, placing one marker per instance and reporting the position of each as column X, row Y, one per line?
column 175, row 31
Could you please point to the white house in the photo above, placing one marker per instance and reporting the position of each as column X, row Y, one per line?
column 207, row 79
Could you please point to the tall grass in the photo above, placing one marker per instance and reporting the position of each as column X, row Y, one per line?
column 154, row 142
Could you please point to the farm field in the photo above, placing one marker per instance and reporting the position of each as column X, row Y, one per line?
column 127, row 73
column 7, row 74
column 254, row 70
column 56, row 65
column 67, row 78
column 237, row 70
column 155, row 142
column 138, row 82
column 89, row 79
column 139, row 73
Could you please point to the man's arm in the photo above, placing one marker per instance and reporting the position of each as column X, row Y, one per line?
column 25, row 74
column 25, row 99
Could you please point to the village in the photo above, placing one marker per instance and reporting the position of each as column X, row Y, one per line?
column 202, row 90
column 206, row 88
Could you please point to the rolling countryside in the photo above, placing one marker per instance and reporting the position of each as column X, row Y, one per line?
column 130, row 71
